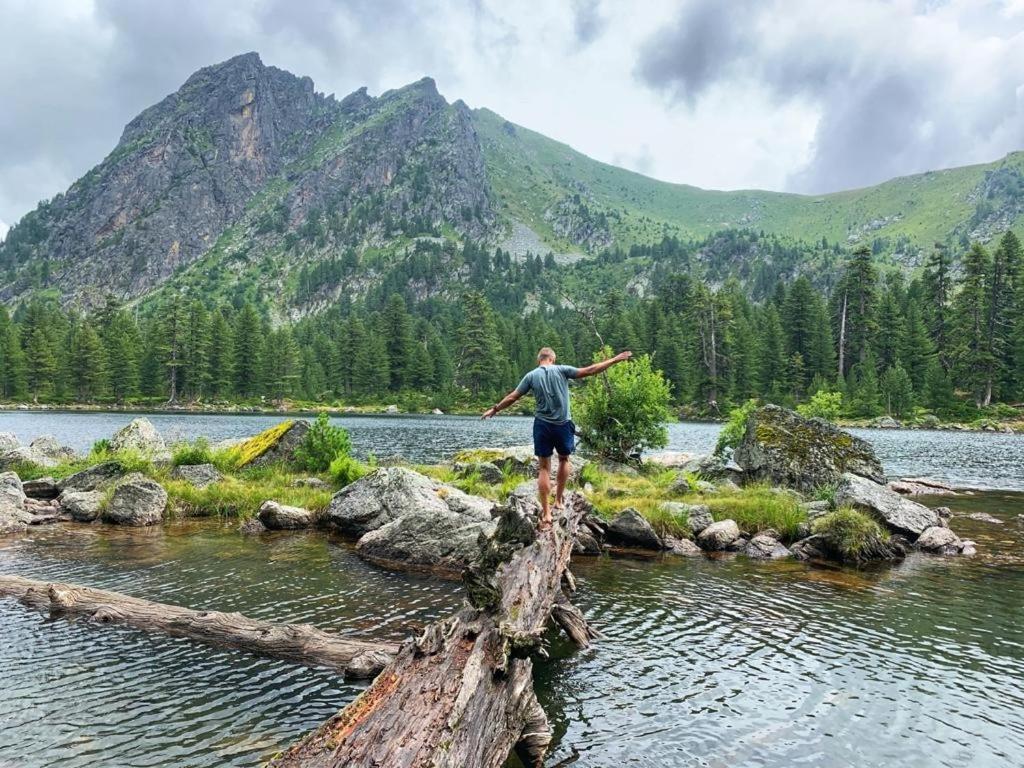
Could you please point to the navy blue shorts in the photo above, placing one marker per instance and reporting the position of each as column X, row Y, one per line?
column 548, row 437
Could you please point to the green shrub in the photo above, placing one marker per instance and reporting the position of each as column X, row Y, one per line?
column 735, row 426
column 101, row 447
column 623, row 411
column 853, row 535
column 345, row 470
column 196, row 452
column 322, row 445
column 822, row 405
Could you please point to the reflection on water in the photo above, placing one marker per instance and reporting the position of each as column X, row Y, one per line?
column 76, row 695
column 705, row 662
column 974, row 459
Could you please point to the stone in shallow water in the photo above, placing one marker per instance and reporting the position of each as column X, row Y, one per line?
column 719, row 536
column 682, row 547
column 435, row 540
column 941, row 541
column 136, row 500
column 632, row 529
column 281, row 517
column 765, row 547
column 82, row 506
column 900, row 514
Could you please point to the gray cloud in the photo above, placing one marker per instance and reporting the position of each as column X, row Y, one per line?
column 588, row 23
column 897, row 90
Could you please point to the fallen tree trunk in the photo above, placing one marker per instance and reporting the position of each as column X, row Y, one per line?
column 297, row 642
column 462, row 693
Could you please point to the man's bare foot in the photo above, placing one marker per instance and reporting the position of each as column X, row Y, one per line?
column 545, row 523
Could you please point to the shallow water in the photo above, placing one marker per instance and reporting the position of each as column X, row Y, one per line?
column 705, row 662
column 979, row 460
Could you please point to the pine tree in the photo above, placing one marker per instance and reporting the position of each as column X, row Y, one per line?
column 938, row 388
column 1000, row 307
column 89, row 365
column 248, row 337
column 196, row 352
column 172, row 337
column 771, row 356
column 864, row 396
column 856, row 300
column 12, row 358
column 396, row 328
column 938, row 288
column 971, row 356
column 281, row 359
column 478, row 346
column 917, row 349
column 41, row 364
column 897, row 391
column 221, row 356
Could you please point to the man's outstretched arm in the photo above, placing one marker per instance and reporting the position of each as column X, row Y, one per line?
column 604, row 365
column 506, row 401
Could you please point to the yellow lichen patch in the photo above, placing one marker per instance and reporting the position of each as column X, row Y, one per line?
column 256, row 446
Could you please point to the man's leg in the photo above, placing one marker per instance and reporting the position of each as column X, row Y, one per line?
column 563, row 477
column 544, row 488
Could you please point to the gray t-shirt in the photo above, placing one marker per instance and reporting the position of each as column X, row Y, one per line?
column 550, row 387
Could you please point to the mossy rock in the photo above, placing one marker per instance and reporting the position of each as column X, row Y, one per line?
column 273, row 445
column 783, row 448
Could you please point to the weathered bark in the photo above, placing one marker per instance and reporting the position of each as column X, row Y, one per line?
column 462, row 693
column 297, row 642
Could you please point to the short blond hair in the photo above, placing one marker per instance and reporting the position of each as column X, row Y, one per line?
column 546, row 353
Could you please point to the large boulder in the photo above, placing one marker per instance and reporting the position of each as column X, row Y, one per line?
column 436, row 540
column 486, row 471
column 274, row 445
column 900, row 514
column 12, row 492
column 8, row 442
column 390, row 493
column 783, row 448
column 26, row 455
column 281, row 517
column 136, row 500
column 93, row 478
column 630, row 528
column 719, row 536
column 50, row 447
column 82, row 506
column 199, row 475
column 138, row 435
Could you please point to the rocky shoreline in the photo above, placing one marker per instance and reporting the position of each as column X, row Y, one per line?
column 400, row 517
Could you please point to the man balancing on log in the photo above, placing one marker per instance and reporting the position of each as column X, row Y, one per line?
column 553, row 429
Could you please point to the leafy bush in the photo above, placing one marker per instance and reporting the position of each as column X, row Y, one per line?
column 853, row 535
column 735, row 426
column 623, row 412
column 345, row 470
column 822, row 405
column 101, row 447
column 322, row 445
column 196, row 452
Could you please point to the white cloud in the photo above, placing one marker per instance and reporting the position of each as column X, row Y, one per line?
column 769, row 94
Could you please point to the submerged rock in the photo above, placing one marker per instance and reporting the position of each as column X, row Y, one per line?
column 82, row 506
column 983, row 517
column 630, row 528
column 916, row 486
column 281, row 517
column 719, row 536
column 199, row 475
column 251, row 527
column 140, row 436
column 390, row 493
column 136, row 500
column 764, row 546
column 682, row 547
column 900, row 514
column 783, row 448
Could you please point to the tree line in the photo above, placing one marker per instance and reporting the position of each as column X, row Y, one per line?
column 950, row 340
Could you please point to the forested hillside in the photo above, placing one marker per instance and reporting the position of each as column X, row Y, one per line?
column 250, row 238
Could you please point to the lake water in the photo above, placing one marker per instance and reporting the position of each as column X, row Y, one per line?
column 705, row 662
column 975, row 459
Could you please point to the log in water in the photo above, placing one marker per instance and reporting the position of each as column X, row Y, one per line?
column 462, row 693
column 297, row 642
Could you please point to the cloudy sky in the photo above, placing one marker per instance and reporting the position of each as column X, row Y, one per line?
column 793, row 95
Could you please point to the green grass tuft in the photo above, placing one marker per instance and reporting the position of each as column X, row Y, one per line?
column 854, row 535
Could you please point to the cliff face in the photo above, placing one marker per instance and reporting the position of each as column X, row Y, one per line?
column 243, row 150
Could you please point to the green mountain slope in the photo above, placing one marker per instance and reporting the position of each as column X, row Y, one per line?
column 536, row 178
